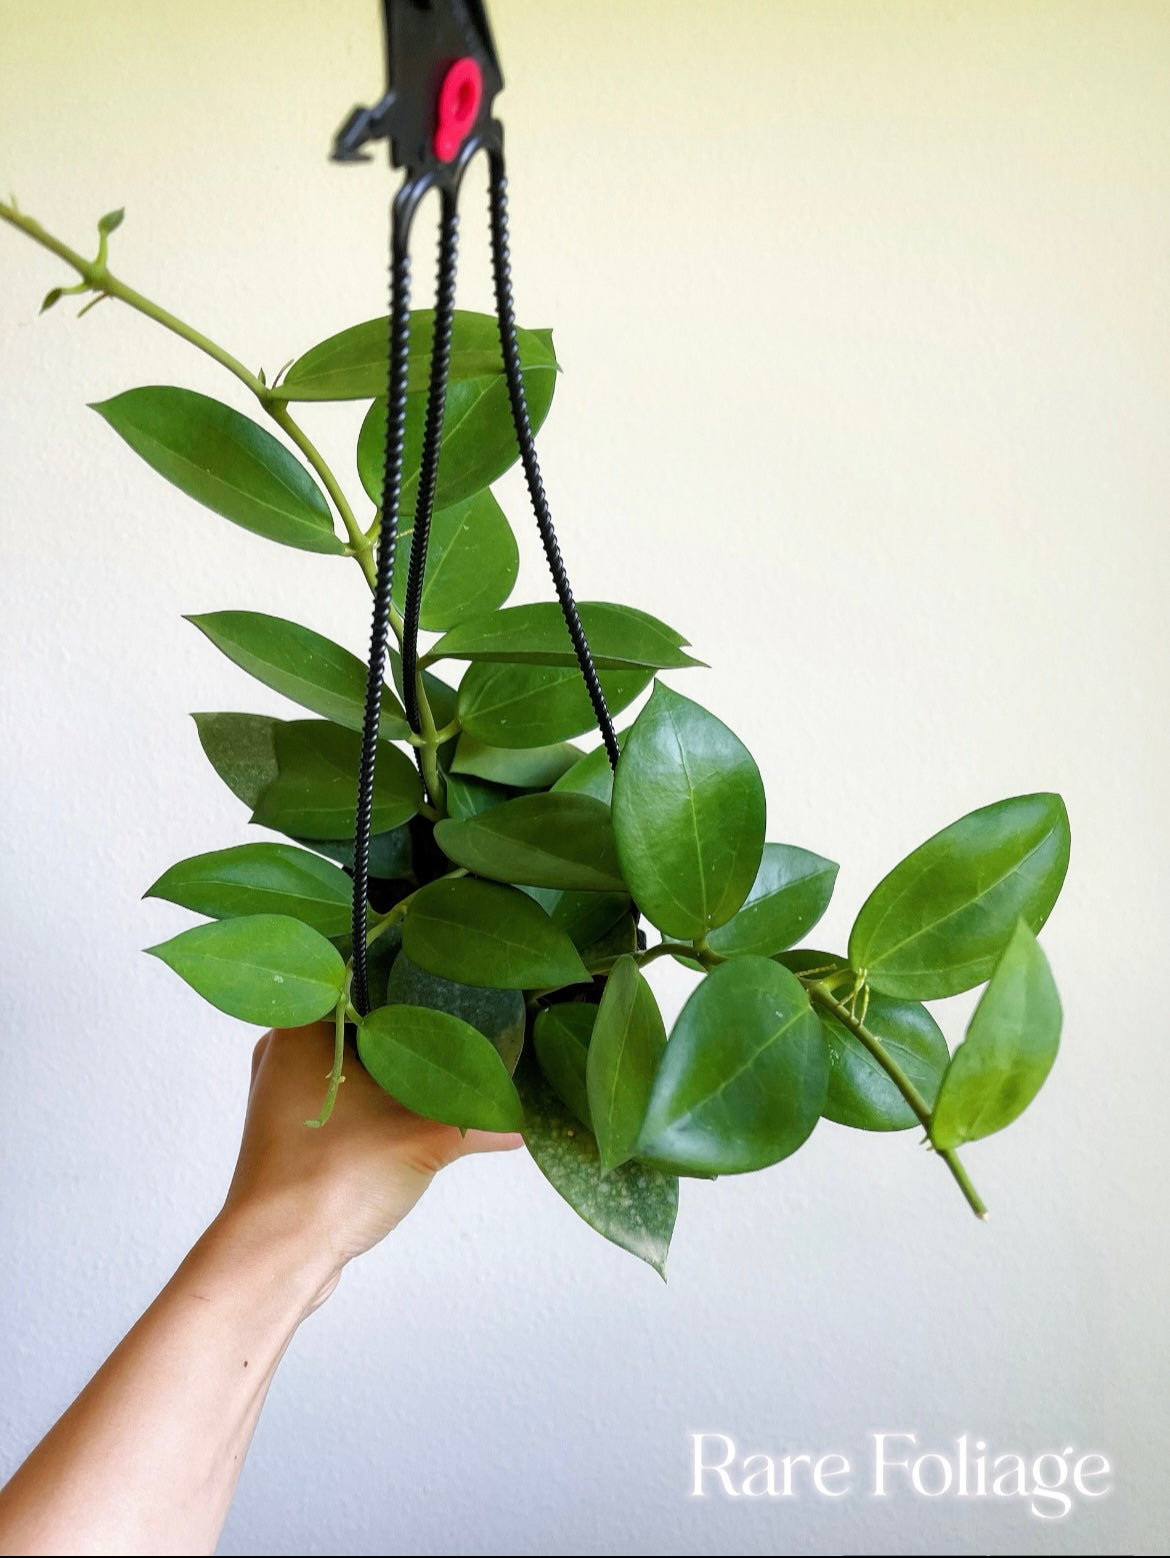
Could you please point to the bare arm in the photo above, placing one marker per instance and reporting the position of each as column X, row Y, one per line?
column 147, row 1458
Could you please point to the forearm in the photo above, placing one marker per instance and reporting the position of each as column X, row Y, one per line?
column 147, row 1459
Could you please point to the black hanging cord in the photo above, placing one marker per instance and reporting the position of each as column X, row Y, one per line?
column 506, row 317
column 432, row 445
column 387, row 541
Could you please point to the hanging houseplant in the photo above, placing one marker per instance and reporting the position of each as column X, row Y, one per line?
column 515, row 887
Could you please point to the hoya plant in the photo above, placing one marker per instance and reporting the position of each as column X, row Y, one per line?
column 520, row 889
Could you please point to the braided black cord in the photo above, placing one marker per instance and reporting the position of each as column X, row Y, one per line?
column 506, row 317
column 432, row 444
column 379, row 632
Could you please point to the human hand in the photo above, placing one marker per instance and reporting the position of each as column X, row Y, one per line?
column 343, row 1188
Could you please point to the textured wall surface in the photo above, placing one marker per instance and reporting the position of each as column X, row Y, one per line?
column 865, row 321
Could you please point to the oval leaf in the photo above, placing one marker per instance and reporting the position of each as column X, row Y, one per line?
column 472, row 562
column 498, row 1014
column 688, row 816
column 1011, row 1043
column 479, row 439
column 440, row 1067
column 544, row 840
column 560, row 1036
column 352, row 365
column 242, row 750
column 262, row 968
column 314, row 794
column 634, row 1208
column 480, row 933
column 261, row 879
column 743, row 1079
column 939, row 922
column 226, row 462
column 620, row 638
column 301, row 665
column 532, row 705
column 624, row 1053
column 791, row 891
column 524, row 768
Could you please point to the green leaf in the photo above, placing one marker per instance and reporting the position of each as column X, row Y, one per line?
column 226, row 462
column 440, row 1067
column 531, row 705
column 352, row 365
column 939, row 922
column 860, row 1092
column 472, row 562
column 391, row 853
column 467, row 797
column 624, row 1054
column 261, row 879
column 1011, row 1043
column 480, row 933
column 314, row 794
column 262, row 968
column 791, row 891
column 688, row 816
column 498, row 1014
column 591, row 776
column 242, row 750
column 525, row 768
column 584, row 917
column 620, row 638
column 634, row 1208
column 301, row 665
column 111, row 221
column 540, row 840
column 560, row 1036
column 743, row 1080
column 479, row 440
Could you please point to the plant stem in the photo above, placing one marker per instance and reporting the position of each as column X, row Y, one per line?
column 336, row 1077
column 358, row 544
column 821, row 996
column 667, row 949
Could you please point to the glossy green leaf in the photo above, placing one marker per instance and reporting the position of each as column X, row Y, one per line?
column 625, row 1050
column 620, row 638
column 498, row 1014
column 480, row 933
column 939, row 921
column 531, row 705
column 226, row 462
column 540, row 840
column 860, row 1093
column 560, row 1036
column 262, row 968
column 261, row 879
column 791, row 891
column 591, row 776
column 468, row 797
column 584, row 917
column 743, row 1080
column 524, row 768
column 352, row 365
column 479, row 439
column 314, row 794
column 302, row 665
column 1011, row 1043
column 242, row 750
column 634, row 1208
column 688, row 816
column 440, row 1067
column 472, row 562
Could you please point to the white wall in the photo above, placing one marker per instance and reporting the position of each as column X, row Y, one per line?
column 866, row 329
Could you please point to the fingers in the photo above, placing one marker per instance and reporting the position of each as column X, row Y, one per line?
column 490, row 1141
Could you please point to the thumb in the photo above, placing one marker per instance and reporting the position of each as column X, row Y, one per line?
column 489, row 1141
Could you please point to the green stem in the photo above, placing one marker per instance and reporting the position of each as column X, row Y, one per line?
column 336, row 1077
column 666, row 949
column 358, row 544
column 822, row 997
